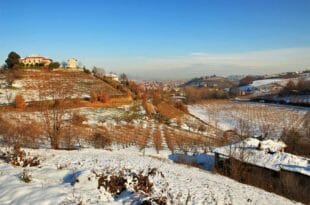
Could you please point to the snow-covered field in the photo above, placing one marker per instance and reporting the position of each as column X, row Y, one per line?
column 280, row 81
column 68, row 177
column 260, row 118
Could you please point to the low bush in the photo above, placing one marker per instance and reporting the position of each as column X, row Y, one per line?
column 25, row 176
column 17, row 157
column 115, row 184
column 297, row 141
column 101, row 139
column 196, row 94
column 157, row 140
column 20, row 102
column 99, row 96
column 136, row 183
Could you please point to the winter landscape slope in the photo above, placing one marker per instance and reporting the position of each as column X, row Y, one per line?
column 67, row 177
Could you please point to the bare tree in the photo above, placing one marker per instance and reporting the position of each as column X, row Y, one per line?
column 157, row 139
column 98, row 72
column 64, row 64
column 54, row 104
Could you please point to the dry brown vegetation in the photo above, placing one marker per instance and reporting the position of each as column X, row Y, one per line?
column 297, row 141
column 157, row 139
column 196, row 94
column 99, row 96
column 127, row 180
column 169, row 111
column 20, row 133
column 17, row 157
column 269, row 120
column 302, row 87
column 61, row 134
column 20, row 102
column 79, row 82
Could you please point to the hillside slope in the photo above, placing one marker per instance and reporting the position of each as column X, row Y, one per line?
column 68, row 177
column 79, row 85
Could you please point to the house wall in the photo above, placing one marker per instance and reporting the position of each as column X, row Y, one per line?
column 292, row 185
column 31, row 61
column 72, row 63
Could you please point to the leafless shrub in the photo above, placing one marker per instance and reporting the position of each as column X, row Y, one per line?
column 19, row 133
column 113, row 184
column 25, row 176
column 93, row 97
column 126, row 179
column 181, row 106
column 20, row 102
column 17, row 157
column 169, row 139
column 103, row 97
column 99, row 96
column 54, row 104
column 73, row 131
column 141, row 183
column 196, row 94
column 142, row 139
column 157, row 139
column 101, row 139
column 78, row 119
column 202, row 128
column 11, row 75
column 297, row 141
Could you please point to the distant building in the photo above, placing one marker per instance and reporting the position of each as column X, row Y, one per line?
column 111, row 76
column 35, row 60
column 72, row 63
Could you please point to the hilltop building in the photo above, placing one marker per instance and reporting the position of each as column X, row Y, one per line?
column 72, row 63
column 35, row 60
column 112, row 76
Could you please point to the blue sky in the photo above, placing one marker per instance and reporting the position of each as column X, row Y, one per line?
column 141, row 37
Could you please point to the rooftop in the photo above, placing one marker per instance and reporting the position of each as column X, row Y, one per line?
column 266, row 154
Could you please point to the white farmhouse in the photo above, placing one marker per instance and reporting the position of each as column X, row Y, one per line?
column 112, row 76
column 33, row 60
column 72, row 63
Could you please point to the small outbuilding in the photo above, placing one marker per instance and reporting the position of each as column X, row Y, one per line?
column 264, row 164
column 72, row 63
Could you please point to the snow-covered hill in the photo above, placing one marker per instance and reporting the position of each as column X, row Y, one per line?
column 67, row 177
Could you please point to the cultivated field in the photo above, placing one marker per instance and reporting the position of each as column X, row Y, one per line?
column 75, row 84
column 255, row 118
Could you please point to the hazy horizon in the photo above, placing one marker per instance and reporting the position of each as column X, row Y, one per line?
column 162, row 39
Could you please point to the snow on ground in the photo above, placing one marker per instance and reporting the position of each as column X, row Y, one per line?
column 260, row 157
column 7, row 95
column 262, row 118
column 258, row 83
column 51, row 181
